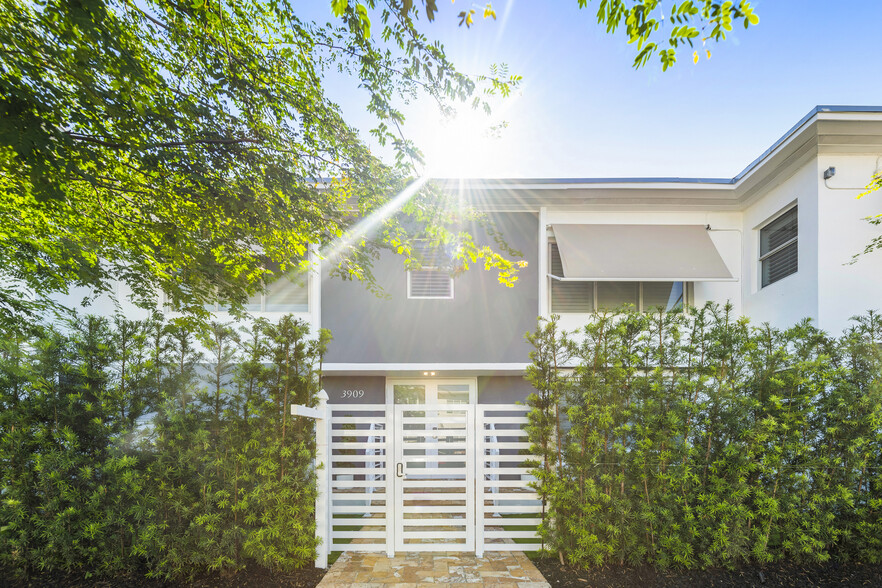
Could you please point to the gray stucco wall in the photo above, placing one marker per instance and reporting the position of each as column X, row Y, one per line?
column 372, row 389
column 503, row 389
column 484, row 323
column 355, row 389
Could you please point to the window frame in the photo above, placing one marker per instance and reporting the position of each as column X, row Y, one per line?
column 763, row 257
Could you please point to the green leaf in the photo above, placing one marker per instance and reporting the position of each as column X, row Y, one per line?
column 338, row 7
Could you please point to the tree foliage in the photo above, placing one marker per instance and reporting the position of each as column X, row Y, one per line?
column 697, row 440
column 180, row 147
column 873, row 188
column 690, row 21
column 124, row 448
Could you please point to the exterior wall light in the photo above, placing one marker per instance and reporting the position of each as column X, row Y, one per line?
column 829, row 172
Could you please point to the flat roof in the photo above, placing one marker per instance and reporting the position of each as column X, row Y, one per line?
column 490, row 183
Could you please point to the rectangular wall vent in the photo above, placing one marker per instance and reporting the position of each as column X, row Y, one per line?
column 429, row 284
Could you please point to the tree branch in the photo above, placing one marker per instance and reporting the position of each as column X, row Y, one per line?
column 113, row 145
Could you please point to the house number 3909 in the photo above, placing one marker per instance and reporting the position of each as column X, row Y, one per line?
column 352, row 394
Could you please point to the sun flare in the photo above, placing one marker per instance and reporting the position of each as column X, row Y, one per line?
column 468, row 144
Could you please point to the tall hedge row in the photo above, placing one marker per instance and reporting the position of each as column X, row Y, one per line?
column 698, row 439
column 141, row 446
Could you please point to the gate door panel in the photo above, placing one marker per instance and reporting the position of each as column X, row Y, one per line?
column 434, row 477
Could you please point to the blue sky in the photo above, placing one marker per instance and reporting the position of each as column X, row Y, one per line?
column 584, row 111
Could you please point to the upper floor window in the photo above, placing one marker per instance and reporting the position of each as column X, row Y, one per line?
column 778, row 248
column 590, row 296
column 432, row 280
column 290, row 293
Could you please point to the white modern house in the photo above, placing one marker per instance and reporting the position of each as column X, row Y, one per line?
column 425, row 443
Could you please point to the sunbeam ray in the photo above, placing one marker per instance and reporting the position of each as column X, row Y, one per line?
column 370, row 222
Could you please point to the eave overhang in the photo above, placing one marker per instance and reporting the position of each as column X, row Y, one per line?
column 824, row 130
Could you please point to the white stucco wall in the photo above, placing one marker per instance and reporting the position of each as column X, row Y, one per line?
column 118, row 301
column 795, row 297
column 846, row 290
column 725, row 234
column 105, row 305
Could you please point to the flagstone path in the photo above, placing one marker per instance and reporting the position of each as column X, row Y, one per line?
column 442, row 569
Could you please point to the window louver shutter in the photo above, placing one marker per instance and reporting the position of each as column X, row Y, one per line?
column 780, row 265
column 781, row 260
column 779, row 231
column 569, row 296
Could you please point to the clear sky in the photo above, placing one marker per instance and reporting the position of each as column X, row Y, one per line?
column 584, row 111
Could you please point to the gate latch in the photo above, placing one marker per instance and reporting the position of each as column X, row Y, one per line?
column 399, row 470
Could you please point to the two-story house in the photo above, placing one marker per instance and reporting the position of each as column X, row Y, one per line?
column 425, row 435
column 776, row 240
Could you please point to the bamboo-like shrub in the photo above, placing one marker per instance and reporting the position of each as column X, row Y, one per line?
column 696, row 439
column 129, row 445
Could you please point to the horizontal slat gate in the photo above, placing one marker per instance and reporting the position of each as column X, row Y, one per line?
column 508, row 510
column 455, row 449
column 435, row 494
column 360, row 495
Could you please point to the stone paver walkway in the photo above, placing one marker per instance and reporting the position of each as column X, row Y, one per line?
column 447, row 569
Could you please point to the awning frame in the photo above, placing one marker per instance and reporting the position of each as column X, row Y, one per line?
column 686, row 235
column 560, row 279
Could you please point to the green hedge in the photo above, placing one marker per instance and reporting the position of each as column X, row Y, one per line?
column 696, row 440
column 123, row 447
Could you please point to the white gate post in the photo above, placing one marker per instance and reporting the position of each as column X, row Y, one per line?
column 322, row 416
column 478, row 449
column 323, row 469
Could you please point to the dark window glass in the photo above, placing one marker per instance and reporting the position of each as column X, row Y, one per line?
column 613, row 295
column 666, row 295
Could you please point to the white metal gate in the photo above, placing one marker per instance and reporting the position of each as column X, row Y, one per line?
column 509, row 510
column 359, row 493
column 464, row 481
column 434, row 478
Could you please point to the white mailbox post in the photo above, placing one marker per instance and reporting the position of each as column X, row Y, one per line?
column 321, row 414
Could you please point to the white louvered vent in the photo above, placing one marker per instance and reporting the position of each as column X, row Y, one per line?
column 431, row 281
column 429, row 284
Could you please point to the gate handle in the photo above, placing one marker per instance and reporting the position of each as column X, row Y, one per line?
column 399, row 470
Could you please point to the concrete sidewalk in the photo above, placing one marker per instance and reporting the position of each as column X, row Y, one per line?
column 411, row 570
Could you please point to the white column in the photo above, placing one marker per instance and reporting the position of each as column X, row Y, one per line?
column 315, row 288
column 543, row 263
column 323, row 470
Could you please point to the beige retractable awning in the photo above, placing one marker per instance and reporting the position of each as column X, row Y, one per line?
column 639, row 253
